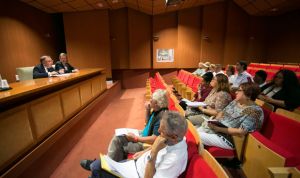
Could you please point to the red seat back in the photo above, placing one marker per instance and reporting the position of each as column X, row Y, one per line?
column 195, row 84
column 198, row 168
column 186, row 78
column 190, row 81
column 283, row 132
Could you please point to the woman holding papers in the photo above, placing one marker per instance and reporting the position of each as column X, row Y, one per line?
column 121, row 145
column 216, row 101
column 238, row 118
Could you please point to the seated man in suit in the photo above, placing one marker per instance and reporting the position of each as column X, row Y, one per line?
column 167, row 157
column 62, row 66
column 44, row 69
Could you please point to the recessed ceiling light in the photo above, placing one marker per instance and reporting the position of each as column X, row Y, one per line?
column 115, row 1
column 274, row 9
column 99, row 4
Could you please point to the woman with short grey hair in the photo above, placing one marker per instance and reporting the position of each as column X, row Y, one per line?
column 120, row 146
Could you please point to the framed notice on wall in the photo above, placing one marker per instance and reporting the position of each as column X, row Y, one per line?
column 165, row 55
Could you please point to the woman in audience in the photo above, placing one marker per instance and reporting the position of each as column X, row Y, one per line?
column 120, row 146
column 203, row 89
column 216, row 101
column 230, row 73
column 283, row 91
column 201, row 70
column 238, row 118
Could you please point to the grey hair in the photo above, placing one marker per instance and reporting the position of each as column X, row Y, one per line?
column 160, row 96
column 62, row 54
column 175, row 124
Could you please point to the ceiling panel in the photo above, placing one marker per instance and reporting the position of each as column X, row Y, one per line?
column 252, row 7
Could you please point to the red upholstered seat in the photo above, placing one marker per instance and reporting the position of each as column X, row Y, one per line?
column 186, row 78
column 195, row 84
column 198, row 168
column 218, row 152
column 281, row 134
column 190, row 81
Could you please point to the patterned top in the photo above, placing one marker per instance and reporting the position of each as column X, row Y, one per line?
column 218, row 100
column 249, row 118
column 199, row 72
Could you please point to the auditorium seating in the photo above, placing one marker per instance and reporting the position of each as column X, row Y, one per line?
column 289, row 114
column 276, row 145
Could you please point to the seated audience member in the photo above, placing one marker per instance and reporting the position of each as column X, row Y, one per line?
column 260, row 78
column 200, row 71
column 203, row 89
column 242, row 76
column 230, row 74
column 44, row 69
column 238, row 118
column 216, row 101
column 167, row 157
column 283, row 91
column 218, row 69
column 62, row 66
column 120, row 146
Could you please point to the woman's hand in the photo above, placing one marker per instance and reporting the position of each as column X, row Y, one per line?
column 138, row 154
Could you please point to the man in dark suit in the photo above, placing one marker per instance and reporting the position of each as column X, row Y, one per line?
column 44, row 69
column 62, row 66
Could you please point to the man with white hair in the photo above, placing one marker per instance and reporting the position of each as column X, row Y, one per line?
column 63, row 66
column 167, row 157
column 120, row 146
column 44, row 69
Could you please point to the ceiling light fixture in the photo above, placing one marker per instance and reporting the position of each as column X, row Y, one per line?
column 99, row 4
column 173, row 2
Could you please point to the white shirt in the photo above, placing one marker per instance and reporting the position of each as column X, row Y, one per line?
column 241, row 78
column 220, row 72
column 170, row 162
column 231, row 79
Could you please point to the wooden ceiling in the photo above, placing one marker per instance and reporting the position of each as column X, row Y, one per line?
column 153, row 7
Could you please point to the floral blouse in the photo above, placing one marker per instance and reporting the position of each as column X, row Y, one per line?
column 218, row 100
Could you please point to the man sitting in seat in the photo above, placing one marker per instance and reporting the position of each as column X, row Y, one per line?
column 44, row 69
column 62, row 66
column 242, row 76
column 260, row 78
column 120, row 146
column 167, row 157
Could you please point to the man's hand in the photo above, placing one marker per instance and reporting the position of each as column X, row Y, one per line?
column 131, row 137
column 53, row 73
column 158, row 144
column 61, row 71
column 138, row 154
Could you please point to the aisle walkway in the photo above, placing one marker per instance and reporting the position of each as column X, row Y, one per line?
column 126, row 110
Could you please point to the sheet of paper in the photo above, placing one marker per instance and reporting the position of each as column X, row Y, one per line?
column 127, row 169
column 196, row 104
column 124, row 131
column 62, row 75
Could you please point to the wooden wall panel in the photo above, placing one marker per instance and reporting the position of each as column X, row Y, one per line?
column 256, row 50
column 236, row 37
column 165, row 27
column 15, row 133
column 96, row 86
column 26, row 34
column 70, row 101
column 119, row 42
column 214, row 26
column 87, row 39
column 283, row 38
column 139, row 25
column 46, row 115
column 85, row 92
column 189, row 37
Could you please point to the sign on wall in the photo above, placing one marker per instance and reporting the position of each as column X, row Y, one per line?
column 165, row 55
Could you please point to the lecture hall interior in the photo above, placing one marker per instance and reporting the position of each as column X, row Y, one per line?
column 123, row 54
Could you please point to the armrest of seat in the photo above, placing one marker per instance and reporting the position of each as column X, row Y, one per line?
column 291, row 159
column 283, row 172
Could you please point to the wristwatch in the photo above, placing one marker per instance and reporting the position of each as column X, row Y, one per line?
column 149, row 158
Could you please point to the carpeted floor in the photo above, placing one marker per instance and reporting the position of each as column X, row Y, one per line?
column 126, row 110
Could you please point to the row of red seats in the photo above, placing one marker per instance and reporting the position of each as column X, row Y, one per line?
column 295, row 68
column 189, row 79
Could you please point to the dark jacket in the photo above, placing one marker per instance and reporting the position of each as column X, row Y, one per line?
column 290, row 97
column 40, row 72
column 156, row 121
column 68, row 68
